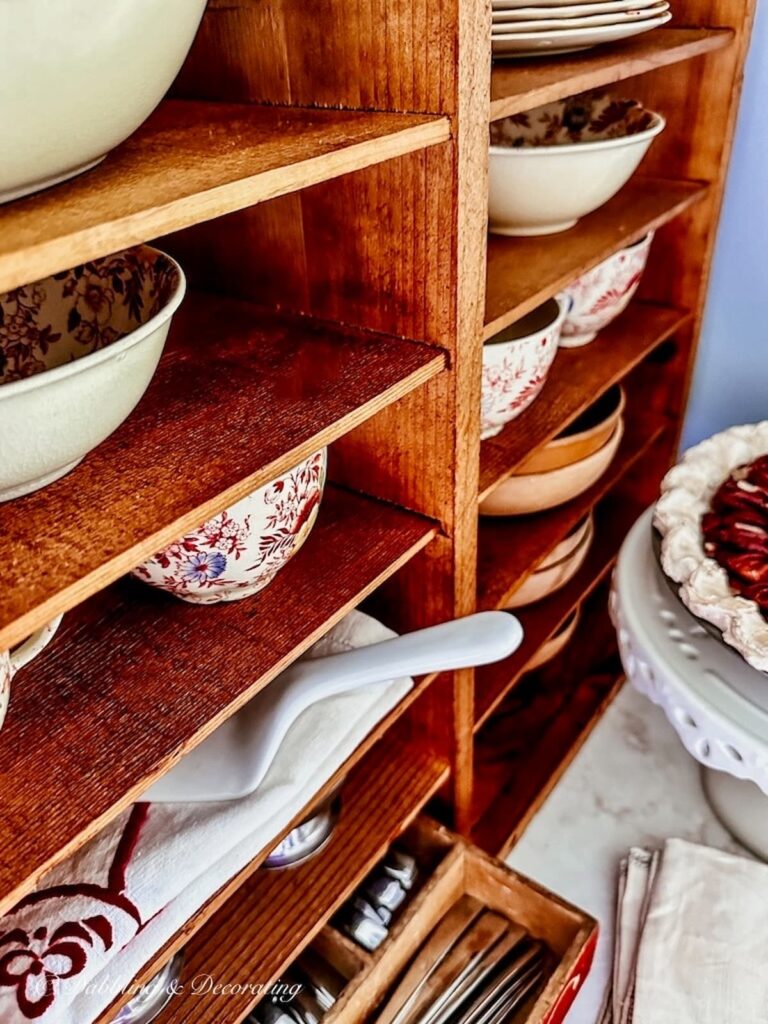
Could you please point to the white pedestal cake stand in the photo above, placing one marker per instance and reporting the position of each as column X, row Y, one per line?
column 715, row 701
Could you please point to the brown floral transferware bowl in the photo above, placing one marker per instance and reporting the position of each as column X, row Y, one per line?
column 77, row 352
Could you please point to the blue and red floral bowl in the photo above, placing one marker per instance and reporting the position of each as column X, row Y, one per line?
column 239, row 552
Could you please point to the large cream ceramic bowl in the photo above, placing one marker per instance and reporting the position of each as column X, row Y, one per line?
column 77, row 77
column 536, row 492
column 77, row 352
column 542, row 179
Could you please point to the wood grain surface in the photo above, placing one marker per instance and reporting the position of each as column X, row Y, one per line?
column 523, row 272
column 518, row 85
column 191, row 162
column 579, row 376
column 263, row 919
column 135, row 678
column 240, row 396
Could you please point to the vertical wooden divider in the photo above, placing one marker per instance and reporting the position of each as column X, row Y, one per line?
column 399, row 247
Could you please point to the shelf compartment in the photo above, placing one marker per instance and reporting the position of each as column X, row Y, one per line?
column 132, row 652
column 520, row 85
column 524, row 272
column 578, row 377
column 192, row 162
column 269, row 389
column 541, row 728
column 510, row 549
column 614, row 517
column 260, row 921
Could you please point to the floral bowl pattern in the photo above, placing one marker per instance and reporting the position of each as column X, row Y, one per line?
column 12, row 661
column 597, row 297
column 516, row 363
column 77, row 351
column 79, row 78
column 554, row 164
column 239, row 552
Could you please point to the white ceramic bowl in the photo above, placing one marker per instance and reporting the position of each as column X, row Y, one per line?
column 554, row 164
column 516, row 362
column 596, row 298
column 77, row 352
column 78, row 77
column 558, row 569
column 536, row 492
column 239, row 552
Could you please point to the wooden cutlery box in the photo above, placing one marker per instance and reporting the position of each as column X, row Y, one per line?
column 450, row 867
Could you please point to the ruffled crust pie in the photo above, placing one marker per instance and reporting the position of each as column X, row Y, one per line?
column 713, row 519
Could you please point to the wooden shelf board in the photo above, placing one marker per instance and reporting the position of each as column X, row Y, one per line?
column 613, row 518
column 522, row 84
column 511, row 549
column 577, row 378
column 540, row 729
column 158, row 675
column 271, row 390
column 192, row 162
column 523, row 272
column 271, row 917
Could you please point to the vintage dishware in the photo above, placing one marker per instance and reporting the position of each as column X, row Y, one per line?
column 569, row 40
column 535, row 492
column 587, row 434
column 560, row 566
column 12, row 661
column 596, row 298
column 77, row 352
column 309, row 837
column 552, row 165
column 233, row 760
column 544, row 21
column 152, row 998
column 516, row 362
column 525, row 10
column 77, row 80
column 557, row 643
column 240, row 551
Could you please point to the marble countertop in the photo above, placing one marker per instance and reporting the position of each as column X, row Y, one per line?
column 632, row 784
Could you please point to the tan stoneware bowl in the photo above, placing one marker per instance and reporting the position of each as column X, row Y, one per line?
column 560, row 566
column 535, row 492
column 556, row 643
column 582, row 438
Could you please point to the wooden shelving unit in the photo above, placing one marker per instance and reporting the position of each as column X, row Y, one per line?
column 323, row 182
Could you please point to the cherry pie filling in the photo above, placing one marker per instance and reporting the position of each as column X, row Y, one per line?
column 736, row 531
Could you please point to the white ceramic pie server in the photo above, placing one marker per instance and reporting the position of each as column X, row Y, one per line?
column 232, row 762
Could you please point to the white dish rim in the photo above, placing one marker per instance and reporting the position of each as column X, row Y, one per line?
column 584, row 35
column 658, row 126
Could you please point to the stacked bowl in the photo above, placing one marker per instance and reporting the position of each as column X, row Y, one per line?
column 525, row 28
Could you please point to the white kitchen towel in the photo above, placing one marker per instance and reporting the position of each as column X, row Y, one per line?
column 702, row 956
column 640, row 872
column 68, row 949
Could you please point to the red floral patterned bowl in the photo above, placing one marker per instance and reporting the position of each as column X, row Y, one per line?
column 516, row 362
column 597, row 297
column 239, row 552
column 77, row 352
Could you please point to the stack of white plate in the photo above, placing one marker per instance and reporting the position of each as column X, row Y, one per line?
column 521, row 29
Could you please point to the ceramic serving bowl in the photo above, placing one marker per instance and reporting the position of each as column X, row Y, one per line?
column 550, row 650
column 535, row 492
column 239, row 552
column 560, row 566
column 12, row 661
column 77, row 352
column 79, row 78
column 596, row 298
column 308, row 838
column 152, row 998
column 516, row 362
column 554, row 164
column 586, row 435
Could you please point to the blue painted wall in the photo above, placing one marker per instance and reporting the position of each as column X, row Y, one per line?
column 730, row 384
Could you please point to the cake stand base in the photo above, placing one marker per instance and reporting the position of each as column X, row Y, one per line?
column 740, row 806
